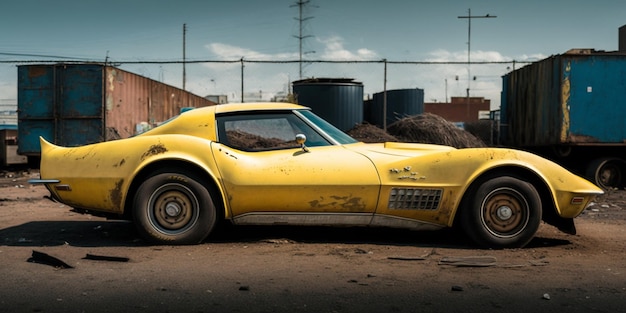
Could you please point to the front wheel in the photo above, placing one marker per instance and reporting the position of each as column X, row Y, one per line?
column 504, row 212
column 173, row 208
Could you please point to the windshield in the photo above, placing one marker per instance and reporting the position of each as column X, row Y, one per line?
column 326, row 127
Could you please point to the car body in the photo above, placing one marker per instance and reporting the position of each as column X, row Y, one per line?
column 279, row 163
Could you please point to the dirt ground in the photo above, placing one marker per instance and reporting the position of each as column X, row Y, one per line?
column 276, row 269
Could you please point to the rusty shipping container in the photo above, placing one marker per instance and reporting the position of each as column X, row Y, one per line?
column 570, row 108
column 77, row 104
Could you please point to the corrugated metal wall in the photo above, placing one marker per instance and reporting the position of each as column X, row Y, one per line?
column 131, row 99
column 337, row 100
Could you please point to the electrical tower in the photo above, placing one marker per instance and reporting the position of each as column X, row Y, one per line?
column 302, row 19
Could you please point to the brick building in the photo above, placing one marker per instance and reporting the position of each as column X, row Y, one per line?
column 458, row 109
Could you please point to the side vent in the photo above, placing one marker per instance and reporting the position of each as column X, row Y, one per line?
column 414, row 199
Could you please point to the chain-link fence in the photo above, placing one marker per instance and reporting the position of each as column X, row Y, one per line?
column 248, row 80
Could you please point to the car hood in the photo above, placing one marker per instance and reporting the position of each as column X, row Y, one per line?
column 397, row 150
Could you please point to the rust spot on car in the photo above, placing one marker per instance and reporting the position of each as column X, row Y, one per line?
column 154, row 150
column 120, row 163
column 333, row 202
column 116, row 194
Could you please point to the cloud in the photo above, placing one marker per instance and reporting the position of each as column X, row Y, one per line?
column 334, row 50
column 439, row 81
column 230, row 52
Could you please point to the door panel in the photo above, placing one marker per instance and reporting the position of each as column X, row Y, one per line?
column 326, row 179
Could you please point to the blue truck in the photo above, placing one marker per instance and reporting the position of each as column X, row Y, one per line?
column 82, row 103
column 570, row 108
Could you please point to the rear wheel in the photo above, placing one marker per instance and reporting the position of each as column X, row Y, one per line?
column 173, row 208
column 607, row 173
column 503, row 212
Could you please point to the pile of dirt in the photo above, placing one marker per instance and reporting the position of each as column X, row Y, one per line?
column 422, row 128
column 370, row 133
column 251, row 142
column 431, row 128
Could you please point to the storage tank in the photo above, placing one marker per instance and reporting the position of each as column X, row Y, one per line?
column 337, row 100
column 400, row 103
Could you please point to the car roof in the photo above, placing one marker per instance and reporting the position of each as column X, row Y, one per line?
column 248, row 106
column 256, row 106
column 194, row 122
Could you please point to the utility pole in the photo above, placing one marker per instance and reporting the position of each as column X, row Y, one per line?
column 302, row 4
column 242, row 66
column 469, row 18
column 184, row 55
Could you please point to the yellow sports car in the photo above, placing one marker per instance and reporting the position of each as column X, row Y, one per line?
column 279, row 163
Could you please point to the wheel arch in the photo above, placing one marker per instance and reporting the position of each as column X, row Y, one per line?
column 549, row 210
column 168, row 165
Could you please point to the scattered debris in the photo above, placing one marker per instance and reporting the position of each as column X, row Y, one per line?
column 278, row 241
column 469, row 261
column 407, row 258
column 43, row 258
column 413, row 258
column 546, row 296
column 539, row 262
column 105, row 258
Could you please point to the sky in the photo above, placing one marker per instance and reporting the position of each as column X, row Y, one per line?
column 338, row 30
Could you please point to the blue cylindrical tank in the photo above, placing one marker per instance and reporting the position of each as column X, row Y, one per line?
column 337, row 100
column 400, row 103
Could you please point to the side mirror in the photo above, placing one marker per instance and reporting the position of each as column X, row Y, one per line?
column 301, row 139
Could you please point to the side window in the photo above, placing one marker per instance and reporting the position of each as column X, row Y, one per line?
column 261, row 132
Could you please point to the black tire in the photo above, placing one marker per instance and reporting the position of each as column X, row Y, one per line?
column 173, row 208
column 503, row 212
column 607, row 173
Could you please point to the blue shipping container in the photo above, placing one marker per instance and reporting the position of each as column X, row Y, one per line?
column 568, row 99
column 78, row 104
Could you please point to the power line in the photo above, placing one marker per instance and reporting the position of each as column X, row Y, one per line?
column 39, row 55
column 267, row 61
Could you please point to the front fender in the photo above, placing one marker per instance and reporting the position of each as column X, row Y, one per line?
column 454, row 171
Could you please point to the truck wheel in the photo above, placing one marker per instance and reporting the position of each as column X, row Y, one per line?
column 503, row 212
column 607, row 173
column 173, row 208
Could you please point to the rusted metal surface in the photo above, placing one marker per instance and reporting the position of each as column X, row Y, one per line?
column 131, row 99
column 575, row 98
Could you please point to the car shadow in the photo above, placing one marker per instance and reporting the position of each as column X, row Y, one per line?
column 123, row 234
column 74, row 233
column 444, row 238
column 343, row 235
